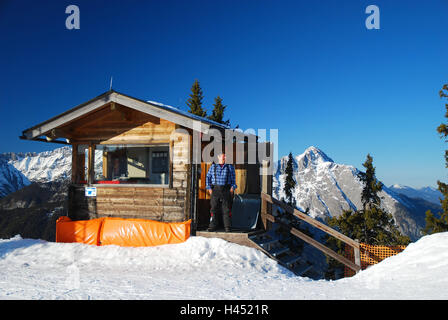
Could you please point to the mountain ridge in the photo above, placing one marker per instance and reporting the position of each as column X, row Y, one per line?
column 326, row 188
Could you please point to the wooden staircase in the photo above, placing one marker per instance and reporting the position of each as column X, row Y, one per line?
column 276, row 249
column 274, row 245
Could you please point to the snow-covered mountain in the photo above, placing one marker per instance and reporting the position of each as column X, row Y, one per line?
column 430, row 194
column 11, row 179
column 45, row 166
column 327, row 188
column 18, row 170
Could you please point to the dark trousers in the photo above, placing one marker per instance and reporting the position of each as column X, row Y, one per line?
column 221, row 203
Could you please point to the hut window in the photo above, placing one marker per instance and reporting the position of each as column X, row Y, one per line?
column 131, row 164
column 159, row 161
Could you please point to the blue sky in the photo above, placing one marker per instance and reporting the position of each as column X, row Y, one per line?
column 310, row 69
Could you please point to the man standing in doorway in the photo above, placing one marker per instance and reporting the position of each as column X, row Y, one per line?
column 220, row 184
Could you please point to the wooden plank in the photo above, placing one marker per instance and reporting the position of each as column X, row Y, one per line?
column 357, row 254
column 131, row 216
column 180, row 175
column 160, row 112
column 266, row 188
column 110, row 191
column 128, row 209
column 174, row 192
column 68, row 116
column 311, row 221
column 120, row 208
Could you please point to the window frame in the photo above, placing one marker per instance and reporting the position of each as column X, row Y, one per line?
column 151, row 146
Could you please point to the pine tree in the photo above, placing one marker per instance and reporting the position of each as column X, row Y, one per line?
column 218, row 112
column 290, row 183
column 440, row 224
column 369, row 195
column 195, row 100
column 372, row 224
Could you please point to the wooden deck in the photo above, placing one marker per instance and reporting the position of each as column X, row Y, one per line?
column 238, row 237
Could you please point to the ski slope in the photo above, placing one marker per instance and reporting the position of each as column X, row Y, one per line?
column 203, row 268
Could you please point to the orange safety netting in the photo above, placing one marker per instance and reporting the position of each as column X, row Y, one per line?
column 370, row 255
column 122, row 232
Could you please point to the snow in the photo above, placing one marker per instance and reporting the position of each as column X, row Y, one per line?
column 45, row 166
column 204, row 269
column 187, row 114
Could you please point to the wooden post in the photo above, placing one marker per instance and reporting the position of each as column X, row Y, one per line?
column 91, row 164
column 266, row 187
column 171, row 155
column 357, row 254
column 75, row 168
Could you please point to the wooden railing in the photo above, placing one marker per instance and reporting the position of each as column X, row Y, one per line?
column 266, row 215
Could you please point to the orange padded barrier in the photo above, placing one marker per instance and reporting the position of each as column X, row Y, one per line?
column 143, row 233
column 84, row 231
column 370, row 255
column 122, row 232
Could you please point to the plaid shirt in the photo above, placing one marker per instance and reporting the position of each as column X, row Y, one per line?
column 224, row 175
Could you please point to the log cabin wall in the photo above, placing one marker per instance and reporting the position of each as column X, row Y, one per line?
column 161, row 204
column 116, row 124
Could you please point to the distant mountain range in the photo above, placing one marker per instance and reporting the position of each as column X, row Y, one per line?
column 327, row 188
column 430, row 194
column 18, row 170
column 33, row 192
column 32, row 181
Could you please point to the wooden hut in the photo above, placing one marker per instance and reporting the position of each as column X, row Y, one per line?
column 136, row 159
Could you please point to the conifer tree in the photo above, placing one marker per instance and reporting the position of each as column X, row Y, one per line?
column 218, row 112
column 369, row 195
column 440, row 224
column 372, row 224
column 195, row 100
column 290, row 183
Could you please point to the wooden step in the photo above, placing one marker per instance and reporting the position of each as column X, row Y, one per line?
column 300, row 270
column 266, row 242
column 290, row 260
column 278, row 251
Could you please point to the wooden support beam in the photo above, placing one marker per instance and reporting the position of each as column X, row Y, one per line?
column 91, row 164
column 266, row 188
column 171, row 158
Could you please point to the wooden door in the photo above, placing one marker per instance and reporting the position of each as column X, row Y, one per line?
column 203, row 204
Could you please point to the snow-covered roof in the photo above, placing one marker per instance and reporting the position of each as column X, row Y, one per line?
column 157, row 109
column 188, row 114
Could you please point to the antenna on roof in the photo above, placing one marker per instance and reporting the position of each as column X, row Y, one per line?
column 111, row 79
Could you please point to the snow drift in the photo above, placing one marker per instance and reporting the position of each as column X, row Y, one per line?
column 203, row 268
